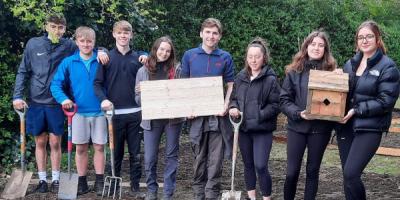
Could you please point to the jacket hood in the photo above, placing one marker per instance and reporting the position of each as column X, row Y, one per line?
column 265, row 71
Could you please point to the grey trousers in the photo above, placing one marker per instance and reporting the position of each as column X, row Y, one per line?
column 208, row 165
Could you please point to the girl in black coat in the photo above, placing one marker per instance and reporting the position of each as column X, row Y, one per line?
column 256, row 94
column 303, row 132
column 374, row 89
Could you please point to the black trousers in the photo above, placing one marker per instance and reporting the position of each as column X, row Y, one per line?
column 356, row 150
column 127, row 129
column 255, row 149
column 297, row 143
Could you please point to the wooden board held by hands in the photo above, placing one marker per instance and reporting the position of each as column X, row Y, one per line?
column 176, row 98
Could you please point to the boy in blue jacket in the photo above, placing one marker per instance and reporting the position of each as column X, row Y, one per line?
column 78, row 72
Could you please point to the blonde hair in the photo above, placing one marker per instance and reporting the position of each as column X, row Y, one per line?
column 85, row 32
column 122, row 25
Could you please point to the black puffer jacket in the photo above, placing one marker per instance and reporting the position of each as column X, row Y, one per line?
column 293, row 100
column 375, row 93
column 257, row 99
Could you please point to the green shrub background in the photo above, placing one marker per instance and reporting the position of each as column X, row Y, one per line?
column 283, row 23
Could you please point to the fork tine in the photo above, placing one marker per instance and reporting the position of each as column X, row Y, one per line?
column 113, row 185
column 115, row 188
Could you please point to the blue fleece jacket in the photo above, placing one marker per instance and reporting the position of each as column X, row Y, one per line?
column 72, row 72
column 197, row 63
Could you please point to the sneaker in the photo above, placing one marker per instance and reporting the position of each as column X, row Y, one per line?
column 151, row 196
column 98, row 187
column 83, row 187
column 42, row 187
column 54, row 186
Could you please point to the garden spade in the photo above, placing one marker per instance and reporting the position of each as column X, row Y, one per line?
column 19, row 181
column 232, row 194
column 69, row 181
column 113, row 182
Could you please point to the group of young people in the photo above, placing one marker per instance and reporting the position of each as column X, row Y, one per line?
column 60, row 71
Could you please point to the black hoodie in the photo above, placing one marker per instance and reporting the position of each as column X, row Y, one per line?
column 257, row 99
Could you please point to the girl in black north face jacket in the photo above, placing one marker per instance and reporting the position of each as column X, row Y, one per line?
column 256, row 94
column 374, row 89
column 303, row 132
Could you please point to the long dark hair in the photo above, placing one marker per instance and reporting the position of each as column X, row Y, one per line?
column 328, row 62
column 152, row 60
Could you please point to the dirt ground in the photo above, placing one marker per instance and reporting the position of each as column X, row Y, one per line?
column 382, row 187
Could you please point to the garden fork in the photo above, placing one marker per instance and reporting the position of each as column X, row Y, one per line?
column 112, row 181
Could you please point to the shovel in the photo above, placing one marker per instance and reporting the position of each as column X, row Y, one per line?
column 112, row 181
column 68, row 181
column 232, row 194
column 19, row 181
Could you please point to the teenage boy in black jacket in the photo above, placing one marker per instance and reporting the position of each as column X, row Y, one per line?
column 115, row 86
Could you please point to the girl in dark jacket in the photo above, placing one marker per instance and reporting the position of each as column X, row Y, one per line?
column 374, row 89
column 160, row 66
column 303, row 132
column 256, row 94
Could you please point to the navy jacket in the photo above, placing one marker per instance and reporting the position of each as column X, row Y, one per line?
column 38, row 66
column 116, row 80
column 197, row 63
column 257, row 99
column 375, row 93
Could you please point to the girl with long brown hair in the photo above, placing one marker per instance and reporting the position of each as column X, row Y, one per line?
column 303, row 132
column 160, row 66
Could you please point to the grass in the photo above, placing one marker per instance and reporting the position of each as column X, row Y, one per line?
column 379, row 164
column 397, row 105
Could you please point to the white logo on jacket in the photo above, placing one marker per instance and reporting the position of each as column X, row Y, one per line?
column 374, row 72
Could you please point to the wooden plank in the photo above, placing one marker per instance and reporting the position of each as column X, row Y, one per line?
column 395, row 125
column 325, row 117
column 326, row 80
column 166, row 99
column 91, row 183
column 388, row 151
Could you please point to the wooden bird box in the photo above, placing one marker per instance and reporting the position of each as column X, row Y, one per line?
column 327, row 92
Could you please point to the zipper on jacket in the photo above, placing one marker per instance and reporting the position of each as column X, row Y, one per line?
column 208, row 64
column 245, row 99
